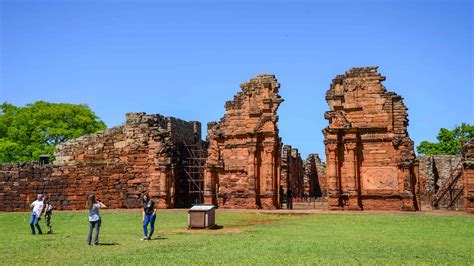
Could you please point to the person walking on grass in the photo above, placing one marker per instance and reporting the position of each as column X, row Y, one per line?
column 149, row 217
column 35, row 217
column 94, row 218
column 48, row 211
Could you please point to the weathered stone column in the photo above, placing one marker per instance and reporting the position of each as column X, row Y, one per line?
column 407, row 195
column 270, row 160
column 251, row 167
column 331, row 172
column 208, row 185
column 270, row 175
column 163, row 193
column 351, row 184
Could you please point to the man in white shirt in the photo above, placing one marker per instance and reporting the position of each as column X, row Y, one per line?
column 36, row 214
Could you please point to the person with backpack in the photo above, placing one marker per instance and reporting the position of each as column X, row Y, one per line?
column 48, row 212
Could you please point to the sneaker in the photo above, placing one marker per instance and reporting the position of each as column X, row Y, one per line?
column 144, row 238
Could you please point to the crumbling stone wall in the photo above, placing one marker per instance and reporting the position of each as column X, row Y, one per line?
column 314, row 177
column 292, row 171
column 118, row 164
column 369, row 154
column 433, row 170
column 468, row 176
column 244, row 153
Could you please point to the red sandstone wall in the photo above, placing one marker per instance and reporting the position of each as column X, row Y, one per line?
column 314, row 177
column 370, row 157
column 118, row 164
column 67, row 185
column 433, row 171
column 292, row 171
column 243, row 164
column 468, row 177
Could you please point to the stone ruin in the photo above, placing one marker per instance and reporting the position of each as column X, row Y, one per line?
column 314, row 178
column 468, row 176
column 145, row 154
column 370, row 157
column 433, row 171
column 242, row 164
column 244, row 153
column 292, row 171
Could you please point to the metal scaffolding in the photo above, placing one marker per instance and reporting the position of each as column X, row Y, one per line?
column 451, row 189
column 194, row 168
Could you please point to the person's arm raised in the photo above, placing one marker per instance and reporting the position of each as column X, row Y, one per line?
column 102, row 205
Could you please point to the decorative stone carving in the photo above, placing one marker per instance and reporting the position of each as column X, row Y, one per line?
column 376, row 178
column 244, row 154
column 370, row 157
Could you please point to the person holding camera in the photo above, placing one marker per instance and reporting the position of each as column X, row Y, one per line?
column 94, row 218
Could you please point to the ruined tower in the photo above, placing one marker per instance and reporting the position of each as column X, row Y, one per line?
column 244, row 152
column 370, row 157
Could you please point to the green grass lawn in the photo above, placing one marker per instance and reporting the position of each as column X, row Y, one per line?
column 246, row 238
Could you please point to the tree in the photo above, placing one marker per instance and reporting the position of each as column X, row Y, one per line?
column 26, row 132
column 449, row 141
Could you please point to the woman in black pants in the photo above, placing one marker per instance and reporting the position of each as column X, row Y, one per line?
column 149, row 217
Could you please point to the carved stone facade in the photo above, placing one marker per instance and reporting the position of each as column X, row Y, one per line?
column 314, row 177
column 244, row 152
column 468, row 176
column 144, row 155
column 370, row 157
column 292, row 171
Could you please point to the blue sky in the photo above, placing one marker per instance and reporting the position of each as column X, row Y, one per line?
column 186, row 59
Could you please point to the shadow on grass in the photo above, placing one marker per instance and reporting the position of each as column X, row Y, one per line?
column 158, row 238
column 216, row 227
column 108, row 244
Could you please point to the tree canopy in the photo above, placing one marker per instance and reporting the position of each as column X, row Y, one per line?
column 26, row 132
column 449, row 141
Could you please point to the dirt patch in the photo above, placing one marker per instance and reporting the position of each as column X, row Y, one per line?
column 232, row 230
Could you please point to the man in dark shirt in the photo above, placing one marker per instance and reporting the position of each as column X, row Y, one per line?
column 282, row 195
column 149, row 217
column 289, row 199
column 48, row 212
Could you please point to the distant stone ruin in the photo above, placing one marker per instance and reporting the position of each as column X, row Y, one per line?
column 314, row 177
column 292, row 171
column 370, row 157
